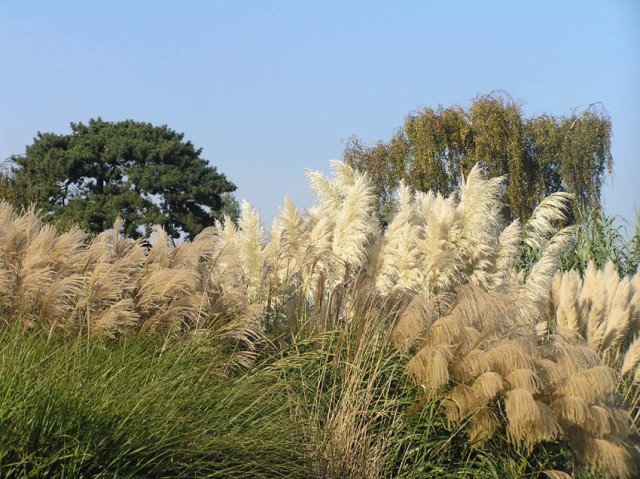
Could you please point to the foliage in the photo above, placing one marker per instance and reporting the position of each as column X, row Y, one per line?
column 146, row 174
column 600, row 241
column 8, row 191
column 436, row 148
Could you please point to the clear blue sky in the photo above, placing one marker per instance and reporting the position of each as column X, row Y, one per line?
column 268, row 89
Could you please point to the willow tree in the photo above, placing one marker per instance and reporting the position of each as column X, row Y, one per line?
column 437, row 147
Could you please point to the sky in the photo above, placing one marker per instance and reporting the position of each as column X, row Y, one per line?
column 269, row 89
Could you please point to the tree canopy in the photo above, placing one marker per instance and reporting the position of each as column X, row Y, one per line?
column 437, row 147
column 146, row 174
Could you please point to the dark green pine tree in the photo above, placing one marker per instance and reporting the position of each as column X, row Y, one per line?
column 146, row 174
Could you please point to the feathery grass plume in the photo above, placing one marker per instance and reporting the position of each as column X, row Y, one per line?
column 321, row 223
column 115, row 319
column 399, row 258
column 488, row 386
column 162, row 290
column 569, row 353
column 222, row 314
column 444, row 330
column 161, row 245
column 511, row 355
column 618, row 322
column 191, row 254
column 35, row 276
column 524, row 378
column 225, row 269
column 530, row 421
column 413, row 319
column 343, row 223
column 59, row 303
column 291, row 274
column 602, row 308
column 322, row 218
column 328, row 194
column 67, row 247
column 509, row 243
column 493, row 313
column 251, row 240
column 37, row 267
column 430, row 368
column 482, row 426
column 568, row 313
column 603, row 456
column 16, row 231
column 236, row 330
column 356, row 224
column 540, row 278
column 631, row 358
column 550, row 372
column 594, row 298
column 325, row 269
column 481, row 224
column 590, row 384
column 6, row 289
column 435, row 284
column 542, row 224
column 169, row 293
column 572, row 410
column 289, row 242
column 458, row 403
column 441, row 230
column 112, row 267
column 601, row 423
column 469, row 366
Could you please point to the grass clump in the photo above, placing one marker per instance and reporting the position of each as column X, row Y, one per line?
column 137, row 409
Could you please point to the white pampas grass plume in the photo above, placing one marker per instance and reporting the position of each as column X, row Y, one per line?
column 441, row 231
column 356, row 223
column 539, row 280
column 250, row 242
column 543, row 221
column 481, row 222
column 399, row 258
column 509, row 244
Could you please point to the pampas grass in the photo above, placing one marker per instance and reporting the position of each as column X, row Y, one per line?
column 602, row 308
column 419, row 333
